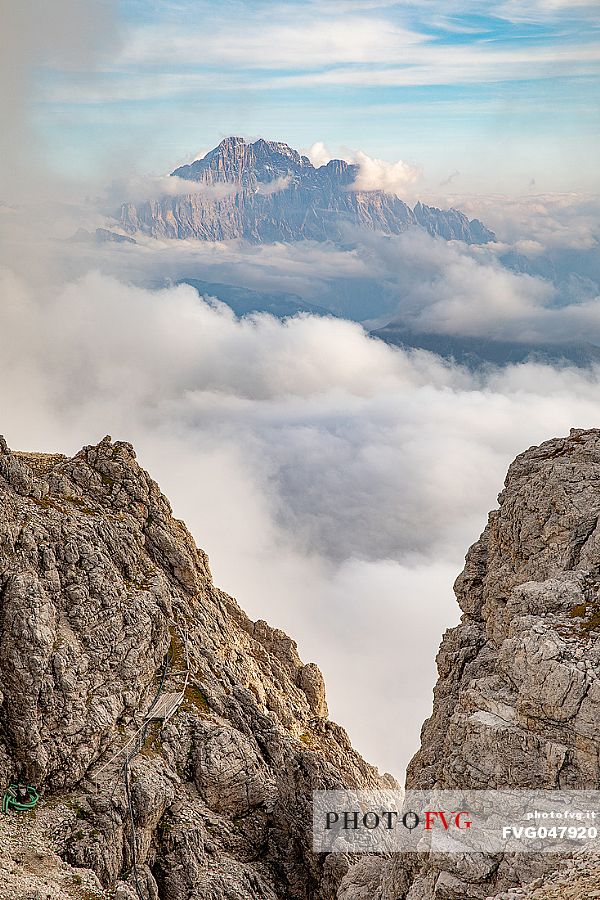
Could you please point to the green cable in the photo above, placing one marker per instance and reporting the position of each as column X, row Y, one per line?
column 9, row 801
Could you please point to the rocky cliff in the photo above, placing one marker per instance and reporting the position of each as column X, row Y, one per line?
column 176, row 743
column 517, row 702
column 265, row 191
column 108, row 609
column 520, row 674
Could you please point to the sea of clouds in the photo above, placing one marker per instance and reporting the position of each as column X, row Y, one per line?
column 334, row 481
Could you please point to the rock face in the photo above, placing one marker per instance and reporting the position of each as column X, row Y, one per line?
column 265, row 192
column 517, row 702
column 518, row 696
column 106, row 603
column 578, row 879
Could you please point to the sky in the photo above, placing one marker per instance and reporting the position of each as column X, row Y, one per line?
column 496, row 96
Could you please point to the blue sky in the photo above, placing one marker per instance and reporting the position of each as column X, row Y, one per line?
column 503, row 93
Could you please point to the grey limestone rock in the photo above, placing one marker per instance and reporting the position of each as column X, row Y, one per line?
column 104, row 599
column 517, row 701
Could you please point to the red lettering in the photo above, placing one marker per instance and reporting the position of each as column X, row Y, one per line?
column 457, row 822
column 430, row 817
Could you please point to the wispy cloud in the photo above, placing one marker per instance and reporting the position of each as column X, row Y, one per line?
column 459, row 65
column 450, row 178
column 553, row 221
column 363, row 54
column 267, row 188
column 467, row 12
column 537, row 11
column 288, row 44
column 318, row 154
column 138, row 188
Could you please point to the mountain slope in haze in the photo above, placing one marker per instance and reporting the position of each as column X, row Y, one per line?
column 477, row 352
column 244, row 301
column 266, row 192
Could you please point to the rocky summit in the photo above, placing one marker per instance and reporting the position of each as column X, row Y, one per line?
column 175, row 743
column 266, row 192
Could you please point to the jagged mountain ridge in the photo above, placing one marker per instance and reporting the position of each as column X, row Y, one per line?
column 275, row 194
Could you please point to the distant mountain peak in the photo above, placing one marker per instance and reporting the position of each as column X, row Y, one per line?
column 277, row 194
column 232, row 141
column 239, row 161
column 340, row 166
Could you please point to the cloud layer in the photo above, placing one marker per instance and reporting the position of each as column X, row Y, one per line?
column 550, row 294
column 380, row 175
column 335, row 482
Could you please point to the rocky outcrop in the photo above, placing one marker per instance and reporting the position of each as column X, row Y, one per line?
column 30, row 857
column 517, row 702
column 451, row 224
column 265, row 191
column 107, row 606
column 577, row 879
column 518, row 696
